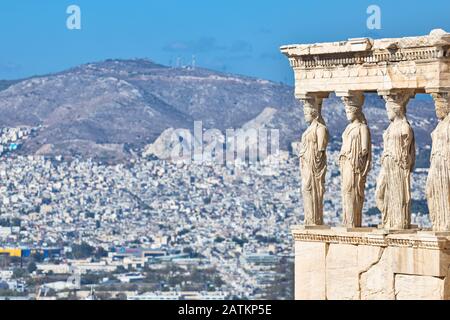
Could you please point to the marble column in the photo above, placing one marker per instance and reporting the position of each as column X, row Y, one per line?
column 355, row 159
column 438, row 183
column 313, row 159
column 393, row 193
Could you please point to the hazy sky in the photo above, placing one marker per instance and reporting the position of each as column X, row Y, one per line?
column 238, row 36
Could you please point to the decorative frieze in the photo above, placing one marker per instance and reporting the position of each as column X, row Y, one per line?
column 345, row 59
column 412, row 240
column 364, row 64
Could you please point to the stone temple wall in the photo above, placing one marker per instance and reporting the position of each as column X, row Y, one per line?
column 371, row 264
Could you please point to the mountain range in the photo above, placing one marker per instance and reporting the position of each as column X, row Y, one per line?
column 113, row 109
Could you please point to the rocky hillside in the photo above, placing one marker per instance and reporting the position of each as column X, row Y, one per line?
column 110, row 109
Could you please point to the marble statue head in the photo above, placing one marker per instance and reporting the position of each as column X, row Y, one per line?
column 311, row 113
column 442, row 105
column 353, row 113
column 353, row 107
column 395, row 110
column 396, row 104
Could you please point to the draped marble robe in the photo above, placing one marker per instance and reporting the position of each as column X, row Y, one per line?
column 393, row 187
column 313, row 166
column 354, row 169
column 438, row 183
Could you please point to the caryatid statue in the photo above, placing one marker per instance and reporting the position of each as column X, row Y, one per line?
column 313, row 161
column 393, row 193
column 438, row 184
column 355, row 160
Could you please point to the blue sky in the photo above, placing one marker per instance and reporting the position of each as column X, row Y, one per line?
column 238, row 36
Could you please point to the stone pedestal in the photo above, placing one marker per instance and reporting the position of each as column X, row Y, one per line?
column 371, row 264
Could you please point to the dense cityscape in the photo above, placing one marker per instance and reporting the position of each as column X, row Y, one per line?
column 153, row 229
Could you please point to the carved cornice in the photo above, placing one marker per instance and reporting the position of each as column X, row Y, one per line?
column 368, row 239
column 420, row 63
column 327, row 238
column 372, row 57
column 358, row 51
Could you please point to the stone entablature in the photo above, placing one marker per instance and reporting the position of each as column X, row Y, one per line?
column 420, row 63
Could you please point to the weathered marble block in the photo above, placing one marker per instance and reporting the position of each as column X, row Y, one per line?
column 311, row 273
column 370, row 264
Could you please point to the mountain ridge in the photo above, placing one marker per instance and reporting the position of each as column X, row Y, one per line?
column 102, row 110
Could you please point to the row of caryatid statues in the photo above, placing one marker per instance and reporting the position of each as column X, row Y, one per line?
column 393, row 194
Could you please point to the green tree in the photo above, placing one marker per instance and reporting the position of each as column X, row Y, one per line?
column 19, row 273
column 31, row 267
column 101, row 253
column 82, row 251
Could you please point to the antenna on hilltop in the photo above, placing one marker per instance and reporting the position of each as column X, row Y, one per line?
column 193, row 62
column 178, row 62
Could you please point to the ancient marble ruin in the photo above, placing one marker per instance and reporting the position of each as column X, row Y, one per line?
column 355, row 161
column 314, row 161
column 438, row 184
column 393, row 185
column 396, row 260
